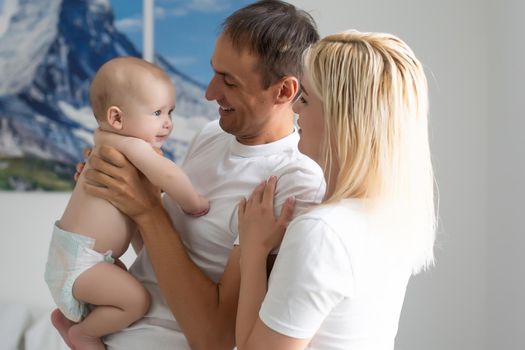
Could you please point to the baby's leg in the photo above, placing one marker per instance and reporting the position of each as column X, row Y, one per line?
column 62, row 325
column 119, row 300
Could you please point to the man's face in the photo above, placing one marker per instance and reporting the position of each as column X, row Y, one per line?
column 245, row 108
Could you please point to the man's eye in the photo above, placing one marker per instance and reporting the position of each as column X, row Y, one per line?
column 227, row 83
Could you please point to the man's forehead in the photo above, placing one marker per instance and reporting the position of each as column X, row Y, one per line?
column 239, row 48
column 233, row 61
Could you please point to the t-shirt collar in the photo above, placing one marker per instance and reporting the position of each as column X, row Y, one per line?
column 275, row 147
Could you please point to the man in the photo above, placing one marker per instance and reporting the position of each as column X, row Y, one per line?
column 190, row 265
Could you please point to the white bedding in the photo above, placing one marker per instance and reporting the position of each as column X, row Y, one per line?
column 24, row 329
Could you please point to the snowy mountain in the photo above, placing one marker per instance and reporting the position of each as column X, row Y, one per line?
column 49, row 52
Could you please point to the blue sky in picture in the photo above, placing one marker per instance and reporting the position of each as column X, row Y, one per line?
column 185, row 30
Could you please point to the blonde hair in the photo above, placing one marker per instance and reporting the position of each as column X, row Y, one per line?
column 375, row 102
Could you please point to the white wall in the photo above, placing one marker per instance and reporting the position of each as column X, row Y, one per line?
column 26, row 222
column 445, row 308
column 506, row 151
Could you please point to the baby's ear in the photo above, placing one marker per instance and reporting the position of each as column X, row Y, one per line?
column 114, row 117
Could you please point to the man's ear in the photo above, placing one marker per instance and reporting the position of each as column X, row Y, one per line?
column 114, row 117
column 288, row 88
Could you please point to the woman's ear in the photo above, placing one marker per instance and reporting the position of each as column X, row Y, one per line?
column 114, row 117
column 288, row 88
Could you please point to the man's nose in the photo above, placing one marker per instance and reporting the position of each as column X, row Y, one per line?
column 212, row 91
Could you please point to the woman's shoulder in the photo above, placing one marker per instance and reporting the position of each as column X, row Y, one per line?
column 345, row 212
column 339, row 222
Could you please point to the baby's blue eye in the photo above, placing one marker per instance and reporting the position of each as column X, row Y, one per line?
column 157, row 113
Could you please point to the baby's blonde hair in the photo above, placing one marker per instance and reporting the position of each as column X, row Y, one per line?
column 119, row 79
column 375, row 102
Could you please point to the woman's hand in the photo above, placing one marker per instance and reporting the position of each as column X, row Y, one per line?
column 113, row 178
column 259, row 229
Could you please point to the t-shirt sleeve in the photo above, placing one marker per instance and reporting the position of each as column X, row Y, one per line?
column 304, row 181
column 311, row 275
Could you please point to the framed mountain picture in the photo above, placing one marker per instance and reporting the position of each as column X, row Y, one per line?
column 50, row 51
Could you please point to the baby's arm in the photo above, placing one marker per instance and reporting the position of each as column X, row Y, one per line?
column 159, row 170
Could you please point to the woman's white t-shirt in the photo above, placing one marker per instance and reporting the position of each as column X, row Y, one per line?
column 336, row 281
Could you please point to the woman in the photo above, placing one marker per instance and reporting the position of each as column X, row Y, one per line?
column 341, row 273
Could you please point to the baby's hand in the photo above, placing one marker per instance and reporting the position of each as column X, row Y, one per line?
column 202, row 212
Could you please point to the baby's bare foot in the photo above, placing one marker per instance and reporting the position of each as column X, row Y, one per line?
column 82, row 341
column 62, row 325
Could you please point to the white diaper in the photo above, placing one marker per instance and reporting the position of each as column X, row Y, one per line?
column 69, row 255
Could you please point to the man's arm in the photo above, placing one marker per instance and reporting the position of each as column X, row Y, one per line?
column 205, row 310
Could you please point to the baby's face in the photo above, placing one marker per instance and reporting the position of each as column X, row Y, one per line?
column 147, row 115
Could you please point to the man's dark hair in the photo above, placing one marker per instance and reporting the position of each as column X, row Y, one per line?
column 277, row 32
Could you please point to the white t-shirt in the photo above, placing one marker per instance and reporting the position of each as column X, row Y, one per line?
column 223, row 170
column 336, row 281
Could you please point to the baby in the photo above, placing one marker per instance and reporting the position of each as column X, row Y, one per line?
column 132, row 101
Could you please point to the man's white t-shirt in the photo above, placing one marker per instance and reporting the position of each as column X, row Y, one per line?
column 223, row 170
column 337, row 281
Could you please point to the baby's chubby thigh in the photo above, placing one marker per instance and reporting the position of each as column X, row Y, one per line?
column 118, row 298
